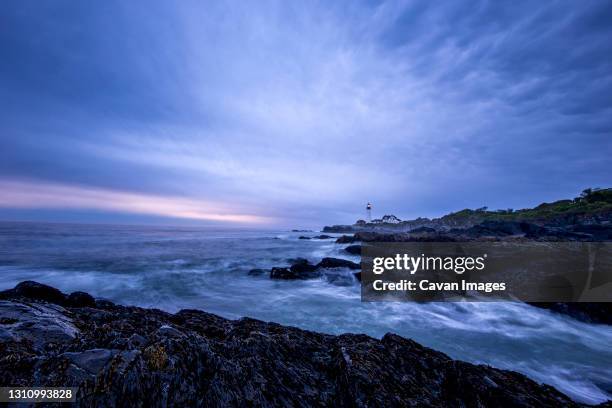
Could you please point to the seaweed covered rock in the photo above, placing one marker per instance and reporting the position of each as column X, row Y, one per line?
column 120, row 356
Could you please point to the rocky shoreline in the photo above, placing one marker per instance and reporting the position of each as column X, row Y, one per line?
column 490, row 231
column 129, row 356
column 331, row 268
column 301, row 269
column 599, row 313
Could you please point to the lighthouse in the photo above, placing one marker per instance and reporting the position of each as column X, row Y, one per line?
column 369, row 212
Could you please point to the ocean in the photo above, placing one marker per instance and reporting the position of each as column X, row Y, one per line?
column 173, row 268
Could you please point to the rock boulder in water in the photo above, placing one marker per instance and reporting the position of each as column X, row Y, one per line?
column 304, row 269
column 338, row 263
column 301, row 269
column 347, row 239
column 353, row 249
column 282, row 273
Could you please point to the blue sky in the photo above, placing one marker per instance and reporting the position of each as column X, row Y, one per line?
column 298, row 113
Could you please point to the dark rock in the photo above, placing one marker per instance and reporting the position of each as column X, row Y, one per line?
column 337, row 263
column 600, row 312
column 561, row 234
column 339, row 228
column 81, row 299
column 42, row 326
column 135, row 341
column 282, row 273
column 169, row 331
column 304, row 269
column 303, row 237
column 495, row 229
column 405, row 237
column 258, row 272
column 322, row 237
column 213, row 361
column 298, row 261
column 300, row 269
column 595, row 231
column 492, row 229
column 383, row 237
column 421, row 230
column 7, row 294
column 104, row 304
column 92, row 360
column 38, row 291
column 532, row 229
column 347, row 239
column 353, row 249
column 503, row 228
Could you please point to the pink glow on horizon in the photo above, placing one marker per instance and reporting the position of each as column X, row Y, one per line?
column 37, row 195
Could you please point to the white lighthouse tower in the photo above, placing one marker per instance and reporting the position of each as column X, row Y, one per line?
column 369, row 212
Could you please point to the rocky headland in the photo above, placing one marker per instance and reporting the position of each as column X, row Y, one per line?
column 119, row 356
column 592, row 207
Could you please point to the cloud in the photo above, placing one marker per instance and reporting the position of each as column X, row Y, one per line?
column 305, row 111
